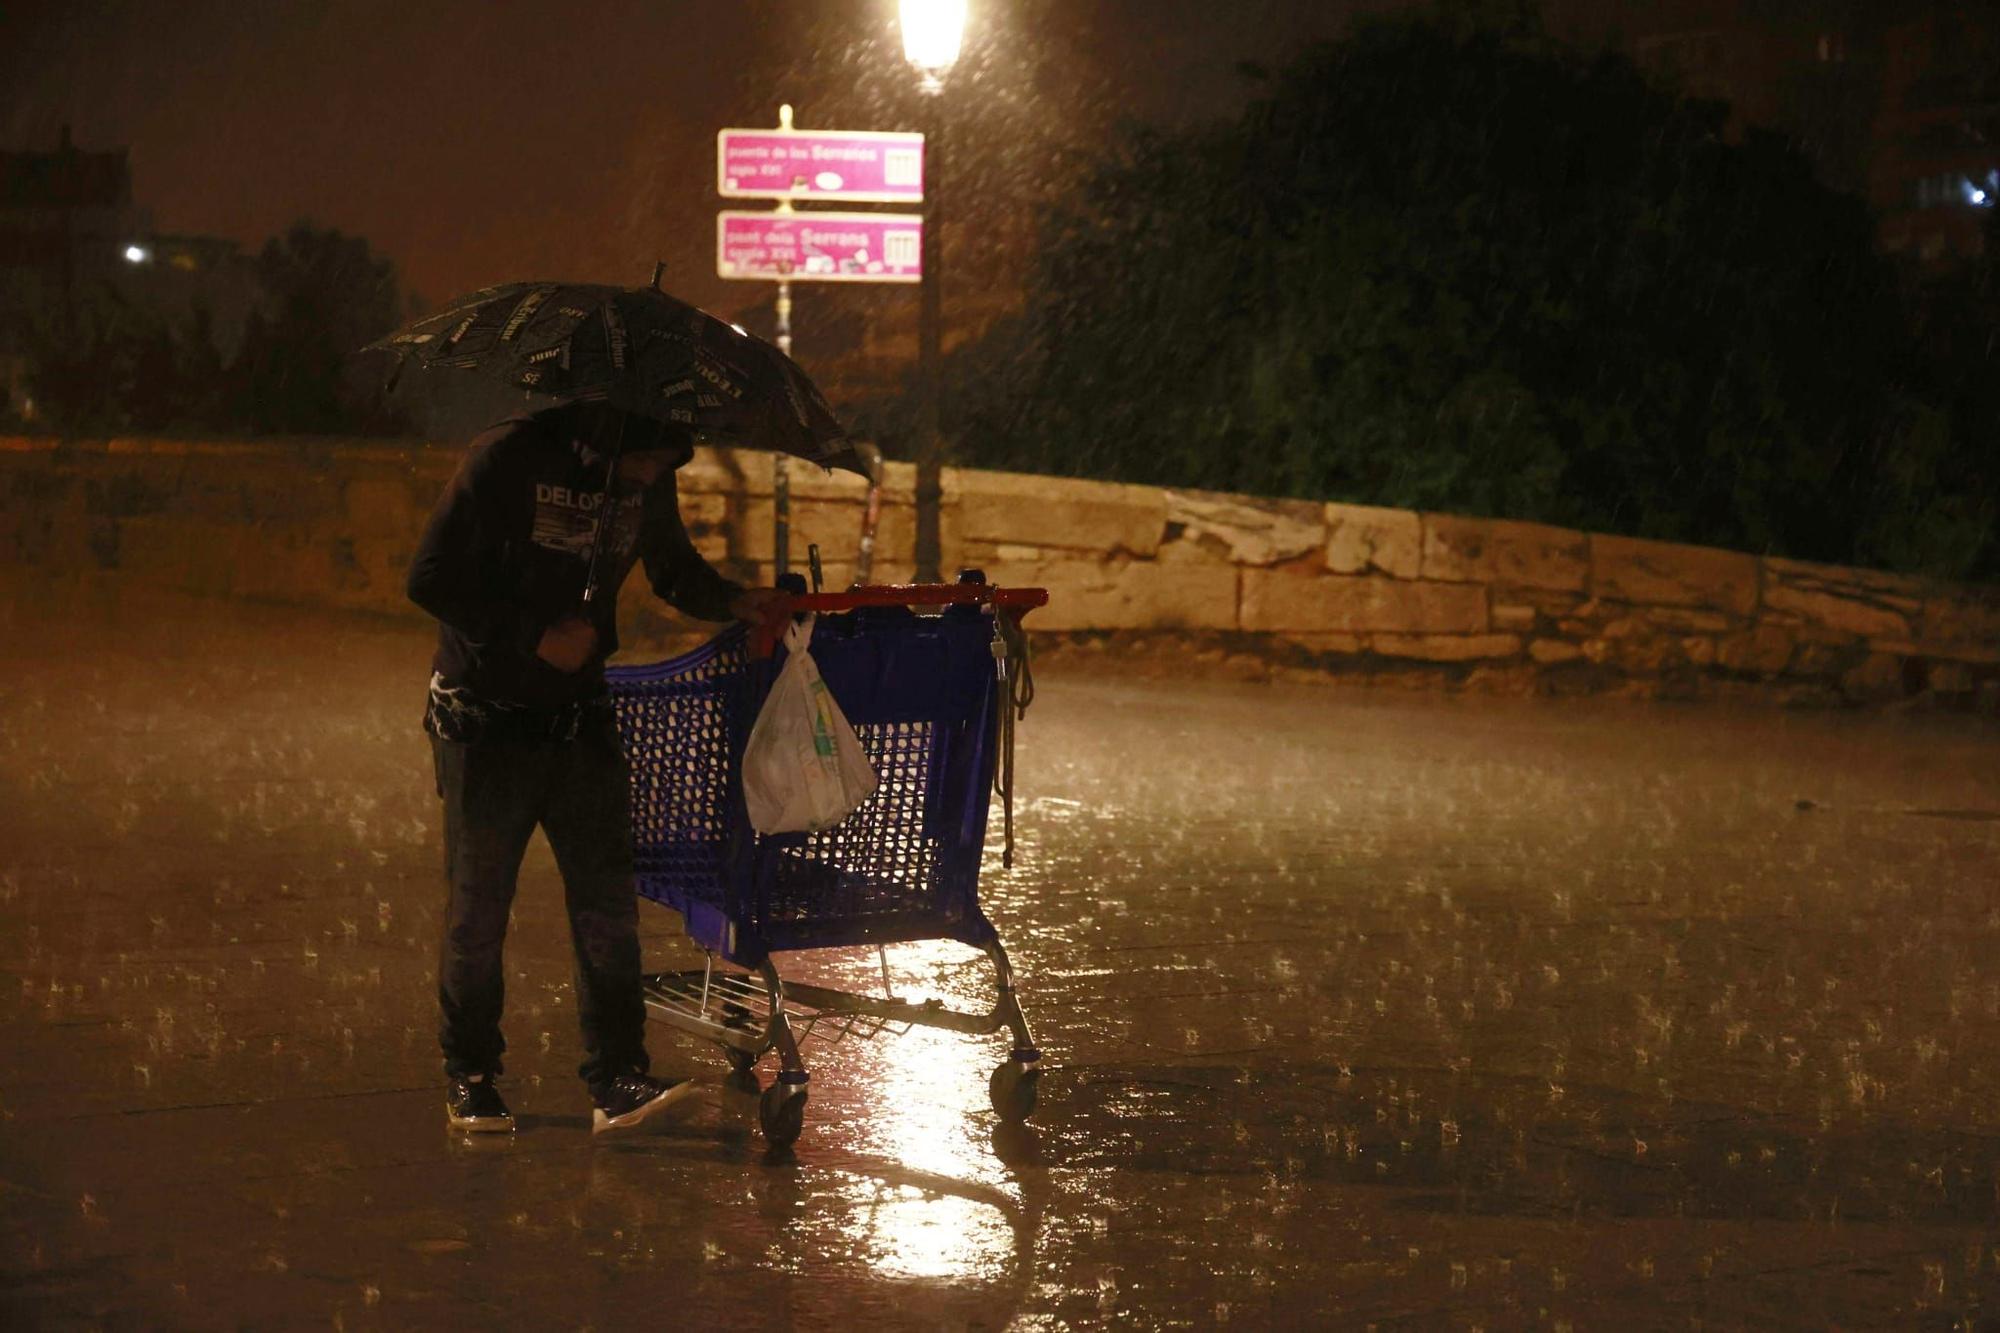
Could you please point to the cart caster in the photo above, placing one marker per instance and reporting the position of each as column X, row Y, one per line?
column 1012, row 1089
column 782, row 1111
column 740, row 1062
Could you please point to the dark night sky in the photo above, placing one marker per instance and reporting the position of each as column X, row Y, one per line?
column 477, row 141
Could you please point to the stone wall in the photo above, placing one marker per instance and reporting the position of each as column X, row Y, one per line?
column 1286, row 588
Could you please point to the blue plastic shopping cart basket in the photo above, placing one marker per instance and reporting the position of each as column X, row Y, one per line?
column 932, row 698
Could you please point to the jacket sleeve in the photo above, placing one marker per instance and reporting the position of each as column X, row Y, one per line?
column 679, row 575
column 458, row 572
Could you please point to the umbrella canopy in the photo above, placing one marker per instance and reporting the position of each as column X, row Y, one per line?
column 534, row 345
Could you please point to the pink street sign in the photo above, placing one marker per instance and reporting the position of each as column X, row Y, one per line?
column 860, row 165
column 820, row 247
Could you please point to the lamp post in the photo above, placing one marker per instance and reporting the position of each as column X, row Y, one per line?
column 932, row 32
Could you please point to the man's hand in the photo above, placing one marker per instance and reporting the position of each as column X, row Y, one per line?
column 568, row 644
column 754, row 604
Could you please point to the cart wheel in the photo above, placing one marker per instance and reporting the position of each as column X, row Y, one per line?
column 1012, row 1091
column 782, row 1113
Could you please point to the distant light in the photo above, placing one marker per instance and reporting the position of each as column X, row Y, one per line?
column 1979, row 196
column 932, row 32
column 137, row 254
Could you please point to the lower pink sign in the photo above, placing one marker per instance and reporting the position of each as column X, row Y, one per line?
column 820, row 247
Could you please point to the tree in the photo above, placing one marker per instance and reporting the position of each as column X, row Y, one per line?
column 109, row 364
column 1448, row 263
column 325, row 295
column 1949, row 468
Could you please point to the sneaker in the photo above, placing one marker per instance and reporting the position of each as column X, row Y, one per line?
column 472, row 1103
column 631, row 1098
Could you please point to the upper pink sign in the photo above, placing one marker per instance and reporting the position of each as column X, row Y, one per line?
column 859, row 165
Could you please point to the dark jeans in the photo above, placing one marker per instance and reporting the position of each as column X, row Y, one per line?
column 495, row 793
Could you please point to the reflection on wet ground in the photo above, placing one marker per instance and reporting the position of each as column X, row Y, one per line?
column 1358, row 1009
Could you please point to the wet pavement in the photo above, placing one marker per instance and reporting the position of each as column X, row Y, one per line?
column 1358, row 1009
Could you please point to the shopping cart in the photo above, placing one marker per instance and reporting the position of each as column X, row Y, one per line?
column 933, row 698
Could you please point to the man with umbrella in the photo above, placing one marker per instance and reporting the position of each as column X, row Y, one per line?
column 521, row 564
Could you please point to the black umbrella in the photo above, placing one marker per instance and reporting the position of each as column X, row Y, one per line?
column 535, row 345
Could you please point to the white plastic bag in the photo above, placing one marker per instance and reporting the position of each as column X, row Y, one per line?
column 803, row 769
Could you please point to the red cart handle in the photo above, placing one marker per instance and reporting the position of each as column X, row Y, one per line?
column 771, row 629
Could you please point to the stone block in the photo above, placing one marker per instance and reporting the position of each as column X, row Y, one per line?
column 748, row 472
column 835, row 527
column 1187, row 550
column 985, row 554
column 1446, row 647
column 1849, row 601
column 1630, row 569
column 705, row 512
column 1645, row 654
column 1963, row 616
column 278, row 566
column 1505, row 553
column 1698, row 650
column 164, row 552
column 1512, row 680
column 1364, row 539
column 1551, row 651
column 133, row 487
column 1765, row 650
column 1686, row 620
column 1983, row 654
column 1820, row 657
column 1126, row 594
column 1057, row 511
column 1511, row 616
column 287, row 492
column 1876, row 677
column 1252, row 531
column 1338, row 603
column 1325, row 645
column 378, row 505
column 1950, row 678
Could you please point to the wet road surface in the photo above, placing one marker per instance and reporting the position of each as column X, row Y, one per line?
column 1358, row 1009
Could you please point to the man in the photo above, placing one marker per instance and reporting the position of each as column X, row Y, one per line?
column 522, row 729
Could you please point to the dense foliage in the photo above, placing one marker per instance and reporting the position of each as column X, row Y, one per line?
column 1451, row 266
column 324, row 296
column 111, row 363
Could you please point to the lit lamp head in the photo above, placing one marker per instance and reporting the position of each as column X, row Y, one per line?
column 932, row 31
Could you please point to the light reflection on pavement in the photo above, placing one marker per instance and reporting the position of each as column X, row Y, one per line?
column 1356, row 1008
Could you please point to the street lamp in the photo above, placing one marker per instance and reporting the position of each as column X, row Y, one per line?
column 932, row 33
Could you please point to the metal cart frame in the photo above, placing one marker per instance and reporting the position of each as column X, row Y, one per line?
column 934, row 697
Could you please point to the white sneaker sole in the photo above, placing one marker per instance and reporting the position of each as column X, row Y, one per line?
column 599, row 1122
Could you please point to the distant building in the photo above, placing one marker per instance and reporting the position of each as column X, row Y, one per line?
column 1899, row 103
column 1935, row 176
column 71, row 235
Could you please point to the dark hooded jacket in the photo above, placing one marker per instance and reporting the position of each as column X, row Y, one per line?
column 507, row 552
